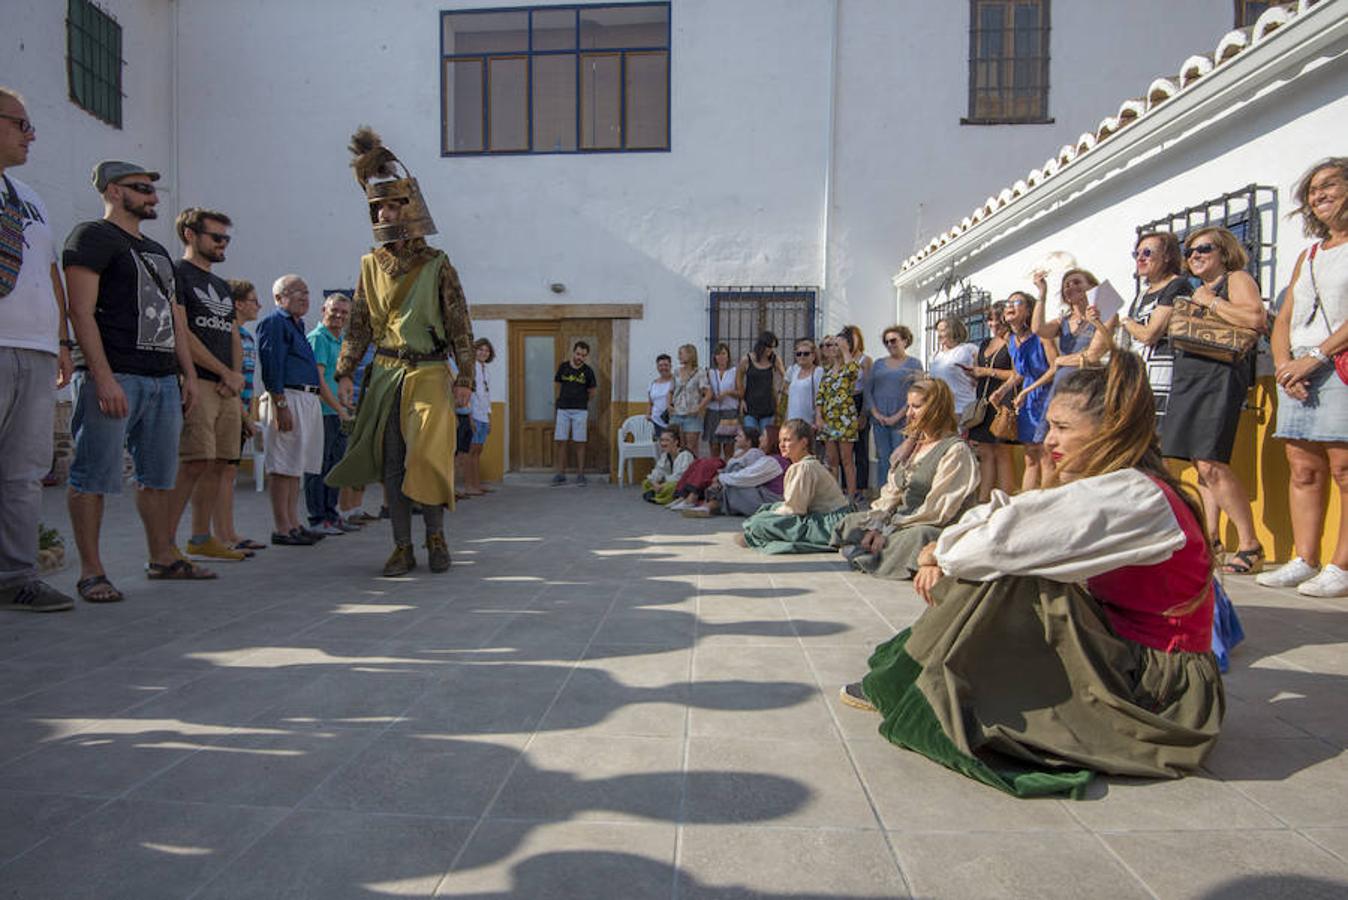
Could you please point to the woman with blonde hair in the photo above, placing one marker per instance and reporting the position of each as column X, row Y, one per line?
column 835, row 417
column 1207, row 395
column 861, row 448
column 887, row 386
column 933, row 478
column 1311, row 331
column 689, row 395
column 1071, row 629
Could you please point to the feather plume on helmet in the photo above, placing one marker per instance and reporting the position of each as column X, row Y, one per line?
column 383, row 177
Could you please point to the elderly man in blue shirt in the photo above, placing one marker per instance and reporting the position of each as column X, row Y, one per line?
column 289, row 408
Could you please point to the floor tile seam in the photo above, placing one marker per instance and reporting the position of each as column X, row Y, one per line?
column 248, row 846
column 1303, row 833
column 89, row 672
column 519, row 757
column 108, row 800
column 1237, row 786
column 864, row 599
column 866, row 791
column 1124, row 864
column 681, row 811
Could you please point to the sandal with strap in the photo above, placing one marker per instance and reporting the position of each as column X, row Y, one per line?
column 88, row 589
column 178, row 570
column 1244, row 562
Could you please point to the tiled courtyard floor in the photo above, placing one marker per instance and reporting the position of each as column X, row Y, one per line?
column 600, row 700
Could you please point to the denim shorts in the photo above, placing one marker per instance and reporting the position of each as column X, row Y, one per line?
column 480, row 431
column 149, row 432
column 687, row 424
column 759, row 422
column 572, row 424
column 1324, row 414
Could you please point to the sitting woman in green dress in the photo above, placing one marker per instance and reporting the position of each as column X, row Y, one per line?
column 812, row 503
column 671, row 461
column 933, row 478
column 1070, row 628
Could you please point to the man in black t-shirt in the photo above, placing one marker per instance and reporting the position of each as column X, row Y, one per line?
column 127, row 391
column 213, row 430
column 576, row 386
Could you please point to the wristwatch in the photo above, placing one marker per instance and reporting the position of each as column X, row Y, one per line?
column 280, row 402
column 1318, row 355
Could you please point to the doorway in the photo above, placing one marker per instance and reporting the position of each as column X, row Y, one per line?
column 537, row 348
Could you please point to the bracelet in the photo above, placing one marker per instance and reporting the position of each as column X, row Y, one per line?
column 67, row 343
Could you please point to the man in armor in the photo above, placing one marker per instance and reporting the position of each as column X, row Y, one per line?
column 409, row 303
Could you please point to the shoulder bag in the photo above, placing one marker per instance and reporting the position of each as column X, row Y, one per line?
column 1340, row 359
column 1195, row 330
column 1005, row 425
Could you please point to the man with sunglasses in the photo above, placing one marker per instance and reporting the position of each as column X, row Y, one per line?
column 127, row 383
column 213, row 429
column 34, row 359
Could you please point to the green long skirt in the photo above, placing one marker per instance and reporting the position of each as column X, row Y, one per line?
column 1021, row 684
column 771, row 532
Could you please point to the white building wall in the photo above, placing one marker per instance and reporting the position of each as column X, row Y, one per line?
column 906, row 168
column 1269, row 141
column 276, row 95
column 70, row 140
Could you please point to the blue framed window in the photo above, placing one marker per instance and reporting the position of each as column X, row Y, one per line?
column 555, row 79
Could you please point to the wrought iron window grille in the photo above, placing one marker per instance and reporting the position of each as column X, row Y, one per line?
column 739, row 314
column 94, row 61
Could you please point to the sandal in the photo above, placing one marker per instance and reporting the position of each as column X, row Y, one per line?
column 247, row 544
column 1244, row 562
column 178, row 570
column 88, row 589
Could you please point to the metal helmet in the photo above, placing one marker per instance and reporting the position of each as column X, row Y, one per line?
column 383, row 177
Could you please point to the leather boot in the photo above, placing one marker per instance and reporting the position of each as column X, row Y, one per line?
column 437, row 553
column 401, row 561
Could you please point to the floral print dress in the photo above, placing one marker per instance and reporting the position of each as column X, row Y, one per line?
column 835, row 404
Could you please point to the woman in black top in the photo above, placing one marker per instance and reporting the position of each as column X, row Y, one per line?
column 1160, row 265
column 757, row 380
column 992, row 367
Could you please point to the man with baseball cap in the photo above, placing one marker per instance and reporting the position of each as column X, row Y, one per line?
column 131, row 334
column 34, row 358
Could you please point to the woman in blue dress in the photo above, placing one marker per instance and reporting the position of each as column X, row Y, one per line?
column 1031, row 358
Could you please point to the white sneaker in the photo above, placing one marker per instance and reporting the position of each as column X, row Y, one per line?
column 1331, row 582
column 1289, row 575
column 678, row 505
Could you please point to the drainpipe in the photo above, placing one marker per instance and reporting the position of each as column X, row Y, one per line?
column 830, row 173
column 173, row 125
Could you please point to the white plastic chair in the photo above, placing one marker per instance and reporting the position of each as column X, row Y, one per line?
column 642, row 445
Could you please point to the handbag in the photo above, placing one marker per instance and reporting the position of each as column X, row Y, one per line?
column 975, row 414
column 1005, row 425
column 1339, row 359
column 1195, row 330
column 727, row 427
column 11, row 238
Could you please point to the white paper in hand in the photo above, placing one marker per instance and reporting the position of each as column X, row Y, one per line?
column 1105, row 299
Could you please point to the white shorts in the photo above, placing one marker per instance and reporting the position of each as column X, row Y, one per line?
column 571, row 423
column 300, row 450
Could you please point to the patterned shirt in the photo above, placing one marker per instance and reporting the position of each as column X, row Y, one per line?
column 249, row 365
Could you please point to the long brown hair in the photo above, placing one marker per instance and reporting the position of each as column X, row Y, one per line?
column 938, row 414
column 1309, row 221
column 1119, row 398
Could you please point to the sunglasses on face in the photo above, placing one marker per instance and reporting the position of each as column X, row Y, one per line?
column 140, row 187
column 1201, row 250
column 1144, row 253
column 890, row 342
column 25, row 126
column 216, row 236
column 800, row 353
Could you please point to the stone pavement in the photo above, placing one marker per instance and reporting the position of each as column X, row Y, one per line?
column 601, row 700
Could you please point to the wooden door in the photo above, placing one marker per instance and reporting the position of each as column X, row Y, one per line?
column 537, row 348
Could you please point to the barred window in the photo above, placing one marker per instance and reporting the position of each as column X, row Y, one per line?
column 1008, row 62
column 94, row 61
column 740, row 314
column 555, row 79
column 1250, row 213
column 963, row 301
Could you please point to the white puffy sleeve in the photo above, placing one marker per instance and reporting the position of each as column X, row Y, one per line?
column 1067, row 533
column 956, row 479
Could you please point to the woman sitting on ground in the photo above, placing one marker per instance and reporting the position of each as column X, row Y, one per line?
column 933, row 478
column 754, row 476
column 1071, row 627
column 671, row 461
column 811, row 503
